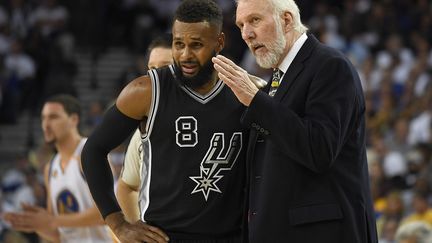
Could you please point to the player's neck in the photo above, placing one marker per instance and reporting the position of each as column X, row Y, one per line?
column 205, row 88
column 67, row 147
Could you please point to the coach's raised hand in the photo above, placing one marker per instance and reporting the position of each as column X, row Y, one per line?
column 236, row 78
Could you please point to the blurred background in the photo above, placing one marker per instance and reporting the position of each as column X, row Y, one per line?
column 91, row 49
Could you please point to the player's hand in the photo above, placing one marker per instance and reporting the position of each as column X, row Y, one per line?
column 236, row 78
column 17, row 221
column 32, row 219
column 136, row 232
column 141, row 232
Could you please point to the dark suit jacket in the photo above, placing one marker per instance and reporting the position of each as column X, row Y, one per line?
column 308, row 169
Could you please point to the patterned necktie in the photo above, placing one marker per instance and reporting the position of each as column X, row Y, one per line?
column 275, row 81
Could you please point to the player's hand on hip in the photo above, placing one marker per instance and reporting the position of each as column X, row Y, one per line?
column 139, row 232
column 236, row 78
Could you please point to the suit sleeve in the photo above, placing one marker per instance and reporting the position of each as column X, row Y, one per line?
column 315, row 137
column 113, row 130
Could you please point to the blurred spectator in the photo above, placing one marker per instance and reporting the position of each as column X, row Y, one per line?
column 419, row 131
column 415, row 232
column 416, row 166
column 3, row 17
column 388, row 232
column 94, row 116
column 15, row 189
column 20, row 71
column 422, row 211
column 392, row 215
column 4, row 33
column 18, row 63
column 49, row 18
column 393, row 163
column 19, row 18
column 397, row 137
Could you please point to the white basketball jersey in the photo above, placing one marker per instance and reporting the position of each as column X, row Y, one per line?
column 70, row 194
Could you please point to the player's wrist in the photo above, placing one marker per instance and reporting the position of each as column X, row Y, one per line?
column 115, row 221
column 54, row 222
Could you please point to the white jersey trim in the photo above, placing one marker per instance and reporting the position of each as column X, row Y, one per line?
column 154, row 103
column 203, row 99
column 144, row 193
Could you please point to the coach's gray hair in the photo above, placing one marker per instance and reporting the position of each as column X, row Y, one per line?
column 280, row 6
column 420, row 231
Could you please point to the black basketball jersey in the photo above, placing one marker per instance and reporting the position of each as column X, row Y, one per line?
column 193, row 174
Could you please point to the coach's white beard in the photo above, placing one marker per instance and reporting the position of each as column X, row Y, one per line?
column 275, row 49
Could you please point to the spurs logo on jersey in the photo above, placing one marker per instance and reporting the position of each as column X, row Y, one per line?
column 214, row 163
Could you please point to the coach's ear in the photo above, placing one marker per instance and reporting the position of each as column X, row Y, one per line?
column 220, row 42
column 287, row 21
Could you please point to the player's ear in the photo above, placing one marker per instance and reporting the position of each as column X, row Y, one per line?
column 75, row 118
column 220, row 42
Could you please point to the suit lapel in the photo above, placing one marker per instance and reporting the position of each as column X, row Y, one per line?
column 295, row 68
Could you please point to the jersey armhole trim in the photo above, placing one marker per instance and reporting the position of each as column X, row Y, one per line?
column 154, row 103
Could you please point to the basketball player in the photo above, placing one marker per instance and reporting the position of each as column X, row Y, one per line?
column 193, row 180
column 160, row 55
column 71, row 215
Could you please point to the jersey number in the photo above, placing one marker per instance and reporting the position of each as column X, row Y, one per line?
column 186, row 127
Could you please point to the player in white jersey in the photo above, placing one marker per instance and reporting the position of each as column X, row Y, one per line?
column 71, row 215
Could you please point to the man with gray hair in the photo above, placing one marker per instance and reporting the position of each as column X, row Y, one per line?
column 307, row 155
column 415, row 232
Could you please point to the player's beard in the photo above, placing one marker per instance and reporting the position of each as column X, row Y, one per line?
column 204, row 75
column 275, row 49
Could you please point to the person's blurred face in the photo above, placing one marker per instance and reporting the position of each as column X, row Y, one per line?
column 262, row 32
column 394, row 205
column 420, row 205
column 401, row 129
column 56, row 123
column 410, row 240
column 159, row 57
column 194, row 44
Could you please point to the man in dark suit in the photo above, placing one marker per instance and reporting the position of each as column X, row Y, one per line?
column 308, row 166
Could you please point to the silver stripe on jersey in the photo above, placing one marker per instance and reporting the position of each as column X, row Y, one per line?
column 144, row 193
column 154, row 103
column 203, row 99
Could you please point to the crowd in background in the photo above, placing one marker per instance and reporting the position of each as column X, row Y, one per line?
column 389, row 42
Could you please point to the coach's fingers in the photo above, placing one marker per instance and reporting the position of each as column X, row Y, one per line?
column 231, row 64
column 223, row 67
column 224, row 75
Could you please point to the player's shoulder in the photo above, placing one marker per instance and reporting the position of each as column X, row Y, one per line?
column 134, row 100
column 138, row 83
